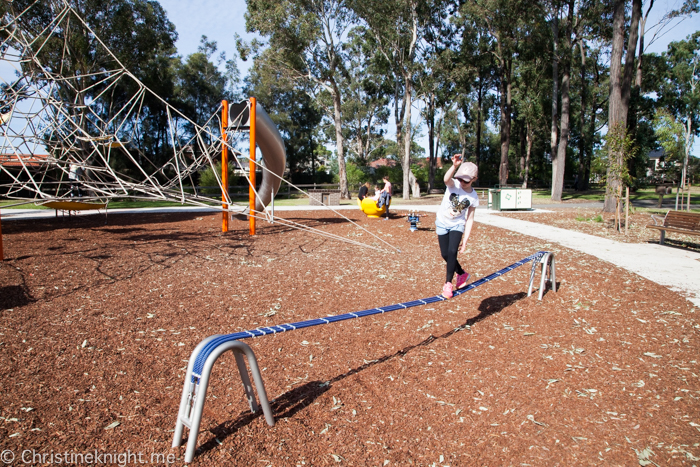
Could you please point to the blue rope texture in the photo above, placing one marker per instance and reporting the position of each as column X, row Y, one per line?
column 201, row 358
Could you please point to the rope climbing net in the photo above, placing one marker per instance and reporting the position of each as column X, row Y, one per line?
column 80, row 134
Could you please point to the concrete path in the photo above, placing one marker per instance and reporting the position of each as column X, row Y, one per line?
column 675, row 268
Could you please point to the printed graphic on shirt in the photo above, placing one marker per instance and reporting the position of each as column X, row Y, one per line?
column 457, row 206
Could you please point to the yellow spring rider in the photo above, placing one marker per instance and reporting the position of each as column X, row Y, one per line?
column 369, row 207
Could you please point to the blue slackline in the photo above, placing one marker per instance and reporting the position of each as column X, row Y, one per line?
column 201, row 358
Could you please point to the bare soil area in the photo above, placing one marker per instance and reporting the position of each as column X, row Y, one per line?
column 98, row 321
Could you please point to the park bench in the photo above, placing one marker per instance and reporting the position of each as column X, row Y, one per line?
column 682, row 222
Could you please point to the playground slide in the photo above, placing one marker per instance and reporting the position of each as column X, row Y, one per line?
column 274, row 157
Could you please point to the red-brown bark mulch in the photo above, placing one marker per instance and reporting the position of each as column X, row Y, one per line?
column 98, row 322
column 593, row 221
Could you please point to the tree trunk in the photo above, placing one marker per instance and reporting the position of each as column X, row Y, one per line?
column 437, row 148
column 629, row 71
column 615, row 115
column 564, row 127
column 406, row 162
column 529, row 136
column 431, row 142
column 505, row 120
column 554, row 134
column 343, row 175
column 477, row 146
column 630, row 91
column 521, row 131
column 582, row 122
column 684, row 173
column 415, row 187
column 558, row 174
column 642, row 27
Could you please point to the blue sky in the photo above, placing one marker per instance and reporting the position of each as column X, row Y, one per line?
column 220, row 22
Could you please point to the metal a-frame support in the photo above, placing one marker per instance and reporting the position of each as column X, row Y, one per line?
column 548, row 273
column 194, row 392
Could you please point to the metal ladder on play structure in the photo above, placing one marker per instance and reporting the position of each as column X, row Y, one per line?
column 207, row 352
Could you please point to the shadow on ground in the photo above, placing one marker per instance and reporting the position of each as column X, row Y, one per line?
column 290, row 403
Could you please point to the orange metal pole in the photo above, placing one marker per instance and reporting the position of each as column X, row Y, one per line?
column 224, row 166
column 2, row 258
column 251, row 190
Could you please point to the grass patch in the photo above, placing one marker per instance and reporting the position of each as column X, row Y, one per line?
column 597, row 218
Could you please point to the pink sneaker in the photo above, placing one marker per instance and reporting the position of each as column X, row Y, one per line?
column 462, row 280
column 447, row 290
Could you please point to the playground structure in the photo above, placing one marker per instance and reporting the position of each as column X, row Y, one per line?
column 369, row 207
column 55, row 146
column 413, row 220
column 206, row 353
column 51, row 144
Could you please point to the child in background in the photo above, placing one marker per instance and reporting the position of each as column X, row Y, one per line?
column 454, row 219
column 387, row 196
column 364, row 189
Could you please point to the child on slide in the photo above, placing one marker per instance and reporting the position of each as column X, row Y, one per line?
column 454, row 219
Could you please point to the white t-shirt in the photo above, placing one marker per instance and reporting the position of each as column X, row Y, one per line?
column 455, row 205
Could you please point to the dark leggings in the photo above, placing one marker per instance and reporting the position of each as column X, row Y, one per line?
column 449, row 246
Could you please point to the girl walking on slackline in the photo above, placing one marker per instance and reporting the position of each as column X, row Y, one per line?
column 455, row 218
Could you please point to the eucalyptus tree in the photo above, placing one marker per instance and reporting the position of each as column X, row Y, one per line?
column 565, row 59
column 573, row 24
column 592, row 115
column 437, row 83
column 306, row 38
column 201, row 86
column 641, row 111
column 679, row 91
column 293, row 111
column 507, row 22
column 396, row 27
column 476, row 77
column 530, row 95
column 620, row 92
column 366, row 88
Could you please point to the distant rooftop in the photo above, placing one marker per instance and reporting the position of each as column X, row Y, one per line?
column 20, row 160
column 655, row 155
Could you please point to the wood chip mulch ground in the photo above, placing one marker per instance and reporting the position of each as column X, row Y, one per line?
column 98, row 321
column 593, row 221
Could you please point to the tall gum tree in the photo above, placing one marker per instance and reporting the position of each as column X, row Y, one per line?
column 366, row 90
column 395, row 26
column 559, row 159
column 507, row 21
column 620, row 90
column 307, row 37
column 680, row 92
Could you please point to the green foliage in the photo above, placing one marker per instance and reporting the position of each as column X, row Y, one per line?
column 678, row 86
column 671, row 136
column 207, row 178
column 620, row 148
column 297, row 118
column 200, row 86
column 597, row 218
column 357, row 175
column 421, row 171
